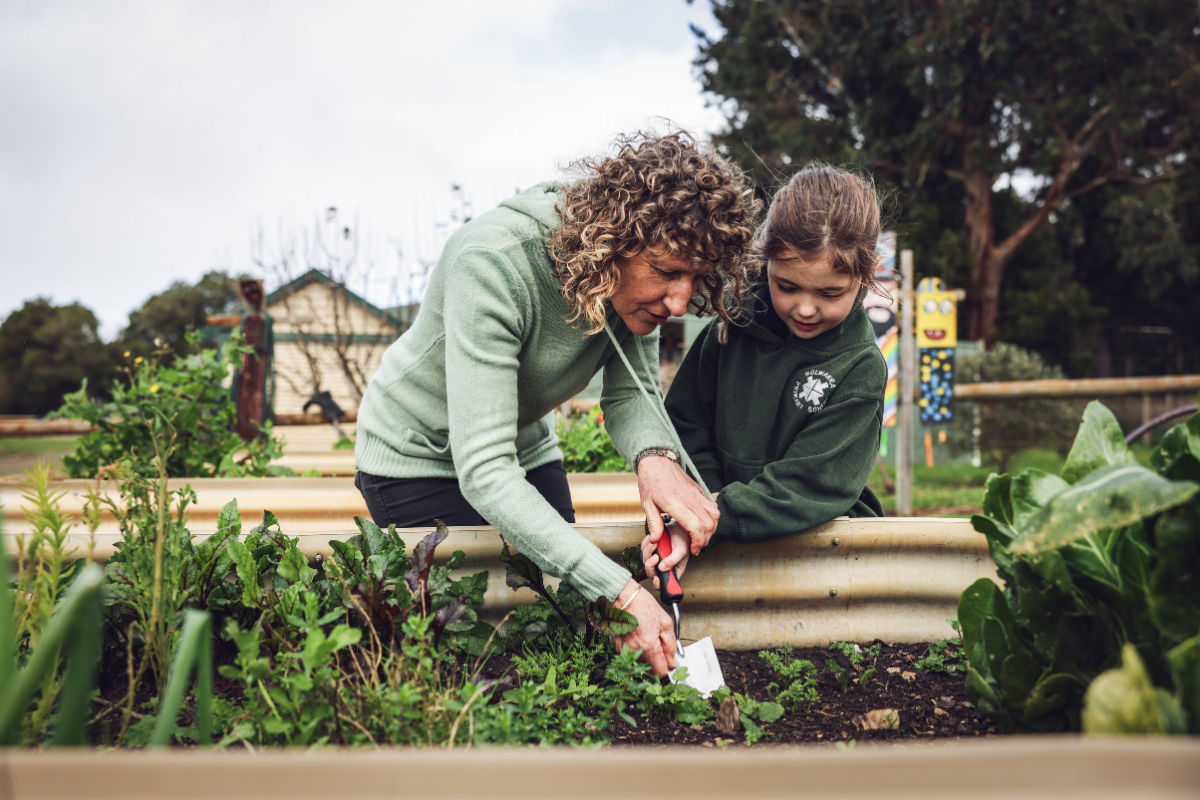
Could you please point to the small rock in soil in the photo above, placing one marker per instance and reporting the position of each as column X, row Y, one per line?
column 728, row 720
column 909, row 676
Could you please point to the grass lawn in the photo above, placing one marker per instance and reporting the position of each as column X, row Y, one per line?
column 19, row 454
column 956, row 490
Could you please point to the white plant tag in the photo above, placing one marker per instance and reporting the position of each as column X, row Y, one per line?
column 703, row 669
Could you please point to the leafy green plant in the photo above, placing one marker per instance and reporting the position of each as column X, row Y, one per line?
column 1105, row 555
column 74, row 626
column 798, row 685
column 839, row 673
column 586, row 446
column 751, row 712
column 185, row 402
column 944, row 655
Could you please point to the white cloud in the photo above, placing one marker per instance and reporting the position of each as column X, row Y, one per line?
column 141, row 142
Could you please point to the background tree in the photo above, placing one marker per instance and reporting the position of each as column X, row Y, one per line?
column 46, row 351
column 169, row 315
column 953, row 101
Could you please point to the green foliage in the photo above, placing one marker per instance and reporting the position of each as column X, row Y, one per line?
column 1097, row 561
column 180, row 412
column 1006, row 428
column 195, row 650
column 165, row 319
column 29, row 661
column 943, row 99
column 944, row 655
column 585, row 444
column 751, row 712
column 1125, row 700
column 798, row 678
column 47, row 351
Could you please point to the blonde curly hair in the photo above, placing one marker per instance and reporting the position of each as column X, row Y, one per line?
column 656, row 191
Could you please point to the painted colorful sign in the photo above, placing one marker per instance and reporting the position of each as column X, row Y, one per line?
column 937, row 336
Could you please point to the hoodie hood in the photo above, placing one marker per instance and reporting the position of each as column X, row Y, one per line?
column 538, row 202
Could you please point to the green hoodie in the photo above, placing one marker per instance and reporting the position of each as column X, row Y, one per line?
column 786, row 429
column 469, row 391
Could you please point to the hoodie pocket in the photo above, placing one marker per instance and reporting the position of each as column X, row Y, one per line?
column 419, row 445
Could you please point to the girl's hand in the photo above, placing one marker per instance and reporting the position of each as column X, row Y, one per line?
column 679, row 553
column 663, row 486
column 655, row 633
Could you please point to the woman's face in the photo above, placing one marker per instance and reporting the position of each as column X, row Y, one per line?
column 654, row 285
column 809, row 296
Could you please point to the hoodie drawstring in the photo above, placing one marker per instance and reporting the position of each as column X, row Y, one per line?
column 656, row 403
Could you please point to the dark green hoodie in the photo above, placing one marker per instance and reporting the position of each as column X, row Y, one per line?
column 786, row 429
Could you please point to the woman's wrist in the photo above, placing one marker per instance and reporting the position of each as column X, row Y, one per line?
column 627, row 592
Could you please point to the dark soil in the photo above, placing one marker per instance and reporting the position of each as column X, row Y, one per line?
column 930, row 704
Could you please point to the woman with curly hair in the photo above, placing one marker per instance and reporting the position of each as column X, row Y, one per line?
column 527, row 303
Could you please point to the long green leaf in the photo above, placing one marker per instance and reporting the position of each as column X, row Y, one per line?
column 16, row 693
column 7, row 649
column 195, row 650
column 1112, row 497
column 75, row 702
column 1099, row 443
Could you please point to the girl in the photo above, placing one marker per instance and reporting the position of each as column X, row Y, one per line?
column 783, row 418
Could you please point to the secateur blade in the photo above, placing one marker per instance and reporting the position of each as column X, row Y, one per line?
column 698, row 661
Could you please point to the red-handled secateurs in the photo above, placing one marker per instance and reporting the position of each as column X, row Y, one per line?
column 669, row 589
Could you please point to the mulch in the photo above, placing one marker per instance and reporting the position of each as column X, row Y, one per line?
column 930, row 705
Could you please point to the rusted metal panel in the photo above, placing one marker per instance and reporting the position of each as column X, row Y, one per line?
column 310, row 504
column 1085, row 387
column 1034, row 767
column 897, row 579
column 44, row 427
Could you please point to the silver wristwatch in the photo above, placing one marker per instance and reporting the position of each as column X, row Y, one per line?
column 654, row 451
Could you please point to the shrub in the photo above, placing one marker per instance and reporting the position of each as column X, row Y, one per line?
column 183, row 408
column 585, row 444
column 1008, row 427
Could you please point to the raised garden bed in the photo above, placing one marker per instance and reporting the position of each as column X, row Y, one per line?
column 930, row 704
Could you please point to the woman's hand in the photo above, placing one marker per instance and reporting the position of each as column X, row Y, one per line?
column 664, row 487
column 655, row 633
column 678, row 558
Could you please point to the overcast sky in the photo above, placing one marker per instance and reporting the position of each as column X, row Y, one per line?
column 142, row 143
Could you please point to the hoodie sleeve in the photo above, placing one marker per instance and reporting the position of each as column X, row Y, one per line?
column 821, row 476
column 692, row 405
column 486, row 309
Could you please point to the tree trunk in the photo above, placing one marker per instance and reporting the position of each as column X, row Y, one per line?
column 988, row 269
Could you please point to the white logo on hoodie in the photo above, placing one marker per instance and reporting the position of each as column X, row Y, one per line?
column 813, row 390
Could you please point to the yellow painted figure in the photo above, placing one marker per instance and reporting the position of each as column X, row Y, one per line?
column 937, row 335
column 937, row 314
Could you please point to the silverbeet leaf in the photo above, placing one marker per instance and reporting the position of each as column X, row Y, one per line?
column 448, row 615
column 610, row 620
column 1112, row 497
column 1099, row 443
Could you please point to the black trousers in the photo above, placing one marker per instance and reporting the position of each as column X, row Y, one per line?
column 417, row 502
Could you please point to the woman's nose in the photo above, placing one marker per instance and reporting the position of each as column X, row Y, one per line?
column 678, row 297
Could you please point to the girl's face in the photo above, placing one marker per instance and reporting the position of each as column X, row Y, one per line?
column 809, row 296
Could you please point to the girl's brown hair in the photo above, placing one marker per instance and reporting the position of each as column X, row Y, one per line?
column 657, row 190
column 825, row 212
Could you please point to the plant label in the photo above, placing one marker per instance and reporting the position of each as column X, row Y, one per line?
column 703, row 670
